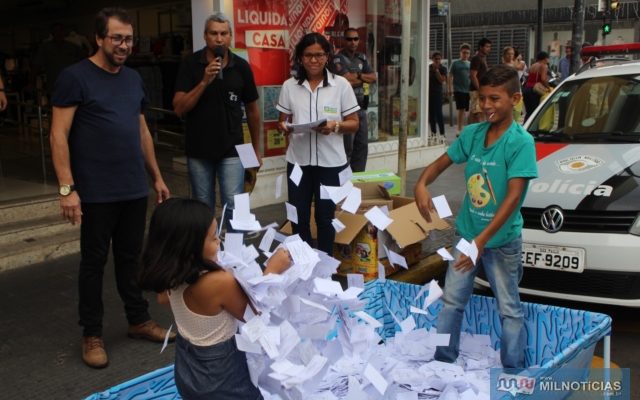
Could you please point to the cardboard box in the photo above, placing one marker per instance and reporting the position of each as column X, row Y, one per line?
column 359, row 248
column 385, row 178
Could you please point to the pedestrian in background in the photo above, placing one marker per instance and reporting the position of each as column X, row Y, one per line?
column 100, row 146
column 355, row 67
column 564, row 67
column 211, row 86
column 180, row 265
column 437, row 78
column 316, row 93
column 477, row 68
column 509, row 58
column 500, row 159
column 537, row 82
column 458, row 84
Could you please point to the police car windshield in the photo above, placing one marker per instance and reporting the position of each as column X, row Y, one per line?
column 595, row 109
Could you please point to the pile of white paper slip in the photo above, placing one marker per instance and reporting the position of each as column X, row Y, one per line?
column 312, row 340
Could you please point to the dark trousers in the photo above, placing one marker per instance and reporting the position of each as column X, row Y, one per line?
column 122, row 224
column 435, row 113
column 356, row 145
column 301, row 197
column 531, row 100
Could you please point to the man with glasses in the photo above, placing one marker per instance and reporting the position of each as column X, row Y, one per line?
column 100, row 147
column 355, row 67
column 211, row 86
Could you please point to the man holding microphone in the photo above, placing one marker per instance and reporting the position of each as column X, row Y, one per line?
column 211, row 86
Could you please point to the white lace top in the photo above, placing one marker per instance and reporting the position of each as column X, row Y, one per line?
column 200, row 330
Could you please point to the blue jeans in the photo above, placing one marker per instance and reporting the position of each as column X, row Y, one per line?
column 230, row 173
column 503, row 267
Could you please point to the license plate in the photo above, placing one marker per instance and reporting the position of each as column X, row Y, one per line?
column 557, row 258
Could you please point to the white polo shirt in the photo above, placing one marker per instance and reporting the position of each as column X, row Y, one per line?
column 333, row 102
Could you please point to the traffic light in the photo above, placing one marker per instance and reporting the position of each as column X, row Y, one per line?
column 606, row 28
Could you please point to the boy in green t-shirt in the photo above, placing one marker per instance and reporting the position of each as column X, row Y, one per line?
column 500, row 160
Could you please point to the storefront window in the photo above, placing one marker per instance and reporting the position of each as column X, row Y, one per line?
column 266, row 32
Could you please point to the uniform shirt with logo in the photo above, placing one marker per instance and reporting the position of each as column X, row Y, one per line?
column 487, row 174
column 333, row 102
column 355, row 63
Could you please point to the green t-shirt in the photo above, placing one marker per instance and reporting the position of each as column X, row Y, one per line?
column 487, row 173
column 460, row 72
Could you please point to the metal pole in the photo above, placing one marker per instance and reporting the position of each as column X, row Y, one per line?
column 404, row 94
column 450, row 52
column 577, row 29
column 539, row 29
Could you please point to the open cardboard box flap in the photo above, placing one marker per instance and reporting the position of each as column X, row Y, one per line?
column 408, row 226
column 353, row 225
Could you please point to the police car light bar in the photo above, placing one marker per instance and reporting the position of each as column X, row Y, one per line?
column 613, row 49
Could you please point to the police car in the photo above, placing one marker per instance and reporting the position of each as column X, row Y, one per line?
column 581, row 236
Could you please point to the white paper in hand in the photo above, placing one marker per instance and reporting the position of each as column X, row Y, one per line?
column 292, row 213
column 442, row 207
column 247, row 155
column 296, row 174
column 468, row 249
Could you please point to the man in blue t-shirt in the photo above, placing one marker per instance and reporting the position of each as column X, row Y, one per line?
column 500, row 160
column 100, row 146
column 459, row 82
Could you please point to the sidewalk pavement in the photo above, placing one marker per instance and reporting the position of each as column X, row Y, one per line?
column 40, row 351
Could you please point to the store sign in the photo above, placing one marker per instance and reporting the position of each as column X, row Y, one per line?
column 267, row 39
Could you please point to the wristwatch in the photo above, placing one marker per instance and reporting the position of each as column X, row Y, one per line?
column 336, row 129
column 65, row 190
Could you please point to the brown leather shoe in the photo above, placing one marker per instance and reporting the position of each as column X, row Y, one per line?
column 93, row 353
column 151, row 331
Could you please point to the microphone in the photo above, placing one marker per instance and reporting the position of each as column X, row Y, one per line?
column 218, row 53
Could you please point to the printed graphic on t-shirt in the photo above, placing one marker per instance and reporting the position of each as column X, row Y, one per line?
column 479, row 196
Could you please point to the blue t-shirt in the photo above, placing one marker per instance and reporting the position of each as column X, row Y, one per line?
column 460, row 72
column 104, row 141
column 487, row 173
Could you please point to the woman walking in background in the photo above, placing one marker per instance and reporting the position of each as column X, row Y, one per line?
column 537, row 82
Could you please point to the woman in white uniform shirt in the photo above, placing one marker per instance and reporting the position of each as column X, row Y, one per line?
column 316, row 93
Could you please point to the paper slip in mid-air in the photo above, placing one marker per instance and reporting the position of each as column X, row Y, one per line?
column 444, row 253
column 279, row 180
column 296, row 174
column 378, row 218
column 247, row 155
column 442, row 207
column 292, row 213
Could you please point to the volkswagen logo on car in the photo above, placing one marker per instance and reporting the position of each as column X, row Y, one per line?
column 552, row 219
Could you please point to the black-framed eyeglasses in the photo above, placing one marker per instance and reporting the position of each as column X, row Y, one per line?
column 311, row 56
column 117, row 40
column 352, row 39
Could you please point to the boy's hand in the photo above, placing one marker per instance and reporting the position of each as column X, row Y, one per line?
column 423, row 201
column 464, row 263
column 279, row 262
